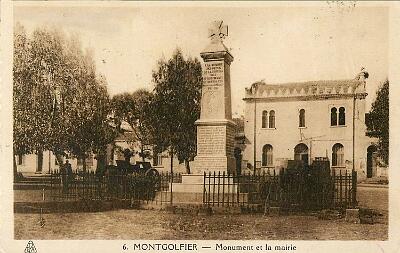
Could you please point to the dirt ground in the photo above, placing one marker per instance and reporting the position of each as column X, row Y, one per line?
column 373, row 197
column 144, row 224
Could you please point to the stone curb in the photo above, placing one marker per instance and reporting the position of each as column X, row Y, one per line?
column 373, row 185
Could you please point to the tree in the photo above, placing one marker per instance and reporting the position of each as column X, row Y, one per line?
column 176, row 105
column 59, row 102
column 378, row 120
column 134, row 109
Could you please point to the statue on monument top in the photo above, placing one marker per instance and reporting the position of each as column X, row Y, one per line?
column 218, row 31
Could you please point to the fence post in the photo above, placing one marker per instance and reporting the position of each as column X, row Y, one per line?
column 219, row 185
column 213, row 195
column 223, row 188
column 204, row 187
column 340, row 187
column 238, row 188
column 333, row 187
column 51, row 184
column 354, row 188
column 345, row 189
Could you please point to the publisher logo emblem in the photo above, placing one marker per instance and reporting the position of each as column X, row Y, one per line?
column 30, row 248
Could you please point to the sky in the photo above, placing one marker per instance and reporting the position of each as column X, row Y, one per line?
column 277, row 44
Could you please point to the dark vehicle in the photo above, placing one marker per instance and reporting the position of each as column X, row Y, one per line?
column 126, row 168
column 140, row 180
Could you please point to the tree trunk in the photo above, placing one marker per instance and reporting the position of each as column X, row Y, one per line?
column 101, row 160
column 84, row 163
column 112, row 158
column 142, row 150
column 39, row 161
column 59, row 159
column 187, row 166
column 172, row 176
column 172, row 162
column 15, row 169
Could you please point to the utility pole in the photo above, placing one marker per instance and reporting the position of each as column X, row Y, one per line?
column 254, row 133
column 354, row 126
column 49, row 162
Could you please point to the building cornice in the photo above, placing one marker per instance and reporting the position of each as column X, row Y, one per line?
column 214, row 122
column 307, row 98
column 314, row 89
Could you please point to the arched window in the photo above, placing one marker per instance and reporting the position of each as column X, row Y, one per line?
column 338, row 155
column 302, row 118
column 267, row 159
column 301, row 153
column 333, row 116
column 264, row 119
column 342, row 116
column 272, row 119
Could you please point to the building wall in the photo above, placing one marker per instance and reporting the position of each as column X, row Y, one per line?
column 164, row 163
column 318, row 134
column 30, row 163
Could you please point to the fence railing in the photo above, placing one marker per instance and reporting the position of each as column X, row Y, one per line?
column 300, row 189
column 91, row 186
column 304, row 190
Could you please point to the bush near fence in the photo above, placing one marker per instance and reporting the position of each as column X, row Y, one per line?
column 302, row 189
column 116, row 186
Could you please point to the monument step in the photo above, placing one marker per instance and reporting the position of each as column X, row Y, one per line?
column 192, row 178
column 200, row 188
column 198, row 183
column 198, row 198
column 179, row 197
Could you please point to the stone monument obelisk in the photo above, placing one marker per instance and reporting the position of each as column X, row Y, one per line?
column 215, row 128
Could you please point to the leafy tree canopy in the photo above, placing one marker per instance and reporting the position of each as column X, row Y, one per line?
column 176, row 104
column 60, row 102
column 134, row 109
column 378, row 120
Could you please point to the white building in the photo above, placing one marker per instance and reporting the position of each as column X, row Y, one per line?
column 44, row 162
column 305, row 120
column 160, row 161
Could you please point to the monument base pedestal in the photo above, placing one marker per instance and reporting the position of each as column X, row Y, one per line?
column 197, row 183
column 201, row 189
column 208, row 164
column 190, row 183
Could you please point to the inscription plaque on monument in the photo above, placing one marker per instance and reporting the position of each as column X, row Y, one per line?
column 211, row 140
column 213, row 74
column 213, row 89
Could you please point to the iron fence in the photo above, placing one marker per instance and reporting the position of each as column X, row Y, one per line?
column 305, row 189
column 78, row 185
column 300, row 189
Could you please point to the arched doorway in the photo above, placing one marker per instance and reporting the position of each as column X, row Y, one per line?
column 238, row 158
column 371, row 161
column 301, row 153
column 267, row 155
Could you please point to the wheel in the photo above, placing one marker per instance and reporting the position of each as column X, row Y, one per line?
column 152, row 172
column 155, row 178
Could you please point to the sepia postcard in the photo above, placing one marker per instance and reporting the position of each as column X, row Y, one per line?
column 227, row 126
